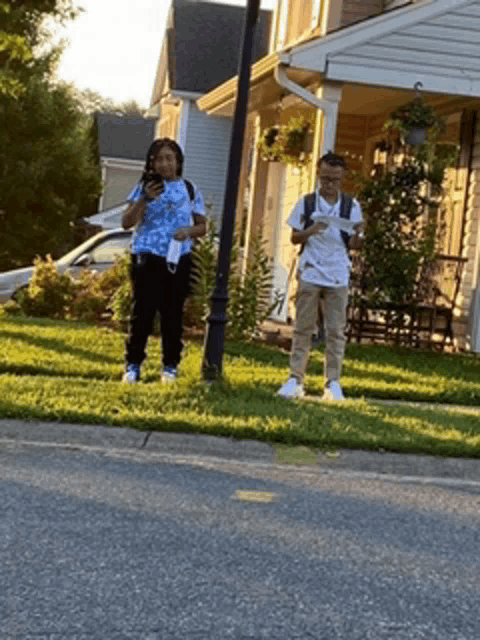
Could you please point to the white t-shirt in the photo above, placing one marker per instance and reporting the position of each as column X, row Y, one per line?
column 324, row 260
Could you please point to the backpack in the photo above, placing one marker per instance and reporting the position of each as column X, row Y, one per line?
column 191, row 193
column 190, row 189
column 345, row 211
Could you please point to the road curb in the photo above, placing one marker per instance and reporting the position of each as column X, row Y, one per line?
column 187, row 446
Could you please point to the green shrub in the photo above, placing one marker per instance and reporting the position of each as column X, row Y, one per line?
column 12, row 308
column 116, row 282
column 249, row 294
column 204, row 264
column 89, row 302
column 49, row 293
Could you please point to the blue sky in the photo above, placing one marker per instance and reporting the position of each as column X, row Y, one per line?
column 114, row 46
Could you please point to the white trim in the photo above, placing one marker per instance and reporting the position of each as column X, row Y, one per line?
column 316, row 10
column 403, row 79
column 183, row 124
column 329, row 107
column 313, row 55
column 186, row 95
column 121, row 163
column 281, row 34
column 104, row 186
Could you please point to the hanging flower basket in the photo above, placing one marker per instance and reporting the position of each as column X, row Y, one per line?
column 413, row 120
column 268, row 146
column 291, row 143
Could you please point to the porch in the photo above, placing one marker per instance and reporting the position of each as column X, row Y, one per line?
column 350, row 81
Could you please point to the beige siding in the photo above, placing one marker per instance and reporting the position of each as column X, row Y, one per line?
column 300, row 18
column 351, row 139
column 472, row 234
column 168, row 122
column 296, row 184
column 355, row 10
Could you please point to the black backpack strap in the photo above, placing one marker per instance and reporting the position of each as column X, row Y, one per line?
column 345, row 211
column 190, row 189
column 308, row 209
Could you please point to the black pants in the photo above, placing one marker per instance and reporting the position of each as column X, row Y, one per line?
column 156, row 289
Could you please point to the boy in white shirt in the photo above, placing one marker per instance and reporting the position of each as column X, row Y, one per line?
column 324, row 271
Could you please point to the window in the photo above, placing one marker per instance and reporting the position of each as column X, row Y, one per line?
column 109, row 249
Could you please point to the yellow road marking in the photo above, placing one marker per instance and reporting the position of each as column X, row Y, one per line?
column 255, row 496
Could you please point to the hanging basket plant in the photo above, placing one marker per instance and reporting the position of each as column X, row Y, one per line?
column 268, row 146
column 413, row 120
column 298, row 137
column 291, row 143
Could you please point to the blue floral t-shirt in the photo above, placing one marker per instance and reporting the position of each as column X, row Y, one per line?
column 163, row 216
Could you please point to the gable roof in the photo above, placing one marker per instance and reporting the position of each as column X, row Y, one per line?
column 434, row 42
column 124, row 136
column 204, row 43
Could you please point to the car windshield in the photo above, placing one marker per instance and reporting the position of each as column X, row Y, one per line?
column 85, row 247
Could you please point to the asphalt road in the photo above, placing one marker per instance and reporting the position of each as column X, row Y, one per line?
column 106, row 543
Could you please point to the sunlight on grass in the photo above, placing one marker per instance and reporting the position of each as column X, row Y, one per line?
column 71, row 373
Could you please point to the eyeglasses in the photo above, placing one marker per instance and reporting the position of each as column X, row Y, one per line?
column 330, row 180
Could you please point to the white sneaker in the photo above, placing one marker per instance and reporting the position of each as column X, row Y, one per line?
column 291, row 389
column 333, row 391
column 169, row 374
column 132, row 374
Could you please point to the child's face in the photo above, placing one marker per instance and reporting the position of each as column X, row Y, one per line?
column 330, row 179
column 166, row 163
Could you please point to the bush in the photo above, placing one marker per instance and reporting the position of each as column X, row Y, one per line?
column 117, row 285
column 249, row 296
column 49, row 293
column 89, row 302
column 204, row 264
column 12, row 308
column 250, row 304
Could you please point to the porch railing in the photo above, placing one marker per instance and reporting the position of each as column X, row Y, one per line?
column 426, row 321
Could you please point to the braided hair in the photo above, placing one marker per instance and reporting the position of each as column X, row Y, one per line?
column 154, row 149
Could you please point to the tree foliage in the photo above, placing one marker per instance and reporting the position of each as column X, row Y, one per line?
column 26, row 43
column 91, row 101
column 403, row 207
column 48, row 173
column 49, row 169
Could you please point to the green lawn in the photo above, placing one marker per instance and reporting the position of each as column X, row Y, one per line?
column 69, row 372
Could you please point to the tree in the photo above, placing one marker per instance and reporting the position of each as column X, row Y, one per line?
column 26, row 47
column 48, row 173
column 92, row 101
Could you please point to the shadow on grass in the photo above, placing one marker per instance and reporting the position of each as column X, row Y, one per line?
column 231, row 411
column 59, row 346
column 357, row 426
column 271, row 356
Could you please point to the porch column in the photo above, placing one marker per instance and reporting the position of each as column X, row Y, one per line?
column 244, row 174
column 325, row 124
column 258, row 184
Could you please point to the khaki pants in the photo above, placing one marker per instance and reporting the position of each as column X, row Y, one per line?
column 334, row 305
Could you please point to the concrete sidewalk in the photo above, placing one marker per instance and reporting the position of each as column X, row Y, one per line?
column 184, row 446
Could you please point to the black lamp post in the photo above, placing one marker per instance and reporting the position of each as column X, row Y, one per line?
column 215, row 335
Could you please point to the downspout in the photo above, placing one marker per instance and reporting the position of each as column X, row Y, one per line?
column 329, row 108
